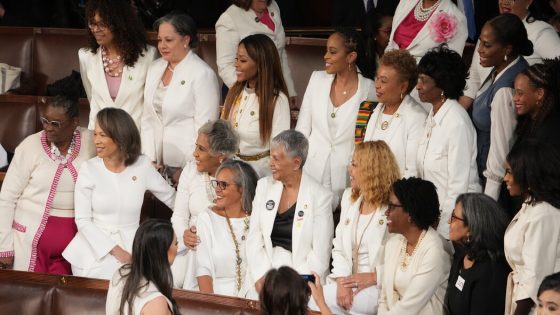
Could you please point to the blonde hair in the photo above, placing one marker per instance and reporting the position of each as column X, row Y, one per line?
column 379, row 170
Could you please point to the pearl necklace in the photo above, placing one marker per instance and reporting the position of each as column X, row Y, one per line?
column 421, row 14
column 406, row 258
column 238, row 259
column 113, row 67
column 57, row 157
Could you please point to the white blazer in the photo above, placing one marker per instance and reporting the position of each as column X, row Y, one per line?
column 313, row 123
column 342, row 251
column 192, row 99
column 423, row 40
column 131, row 91
column 403, row 133
column 234, row 25
column 312, row 230
column 428, row 272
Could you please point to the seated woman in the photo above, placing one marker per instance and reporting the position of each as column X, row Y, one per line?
column 362, row 231
column 477, row 281
column 417, row 260
column 221, row 263
column 180, row 95
column 216, row 142
column 532, row 239
column 109, row 195
column 447, row 150
column 37, row 197
column 292, row 221
column 398, row 119
column 145, row 285
column 257, row 105
column 548, row 295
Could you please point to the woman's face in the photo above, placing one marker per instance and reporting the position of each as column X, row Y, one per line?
column 428, row 92
column 526, row 97
column 259, row 5
column 388, row 85
column 101, row 31
column 384, row 33
column 105, row 147
column 172, row 46
column 282, row 165
column 397, row 218
column 59, row 128
column 336, row 58
column 517, row 7
column 549, row 303
column 513, row 187
column 228, row 194
column 458, row 231
column 205, row 162
column 354, row 172
column 172, row 251
column 245, row 67
column 490, row 50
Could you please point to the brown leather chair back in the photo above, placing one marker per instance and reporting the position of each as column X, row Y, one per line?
column 17, row 49
column 18, row 119
column 305, row 55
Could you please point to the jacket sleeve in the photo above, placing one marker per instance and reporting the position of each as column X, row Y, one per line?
column 93, row 107
column 206, row 98
column 181, row 211
column 341, row 265
column 305, row 113
column 227, row 40
column 146, row 126
column 158, row 186
column 414, row 133
column 281, row 118
column 204, row 260
column 258, row 260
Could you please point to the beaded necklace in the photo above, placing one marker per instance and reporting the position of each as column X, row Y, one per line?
column 406, row 258
column 422, row 14
column 238, row 259
column 113, row 67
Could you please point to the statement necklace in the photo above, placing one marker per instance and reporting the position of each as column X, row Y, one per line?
column 406, row 258
column 421, row 14
column 57, row 156
column 238, row 260
column 113, row 67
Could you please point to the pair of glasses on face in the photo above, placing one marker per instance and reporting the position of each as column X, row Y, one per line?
column 54, row 123
column 99, row 25
column 392, row 206
column 456, row 218
column 220, row 184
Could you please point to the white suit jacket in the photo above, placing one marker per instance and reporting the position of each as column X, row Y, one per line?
column 429, row 270
column 423, row 40
column 234, row 25
column 342, row 251
column 403, row 133
column 131, row 91
column 313, row 123
column 312, row 230
column 192, row 99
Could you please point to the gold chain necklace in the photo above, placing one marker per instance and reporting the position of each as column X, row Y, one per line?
column 238, row 260
column 356, row 243
column 406, row 259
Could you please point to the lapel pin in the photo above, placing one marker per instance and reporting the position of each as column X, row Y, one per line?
column 347, row 222
column 134, row 178
column 182, row 82
column 305, row 206
column 270, row 205
column 300, row 213
column 130, row 77
column 252, row 113
column 271, row 13
column 381, row 221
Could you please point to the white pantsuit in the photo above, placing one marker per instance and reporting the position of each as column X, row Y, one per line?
column 130, row 97
column 192, row 99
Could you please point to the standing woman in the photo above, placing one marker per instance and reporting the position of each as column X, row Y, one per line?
column 257, row 105
column 330, row 109
column 447, row 151
column 244, row 18
column 398, row 119
column 109, row 196
column 37, row 197
column 181, row 94
column 114, row 66
column 221, row 262
column 532, row 239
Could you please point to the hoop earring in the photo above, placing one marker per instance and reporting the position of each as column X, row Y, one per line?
column 505, row 58
column 402, row 96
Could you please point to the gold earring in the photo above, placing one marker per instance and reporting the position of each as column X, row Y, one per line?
column 505, row 58
column 402, row 96
column 349, row 69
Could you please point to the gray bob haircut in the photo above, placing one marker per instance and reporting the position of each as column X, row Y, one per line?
column 222, row 139
column 294, row 142
column 184, row 25
column 245, row 178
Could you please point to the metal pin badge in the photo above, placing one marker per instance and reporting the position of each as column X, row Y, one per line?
column 300, row 213
column 270, row 205
column 252, row 113
column 271, row 13
column 134, row 178
column 381, row 221
column 182, row 82
column 305, row 206
column 130, row 77
column 347, row 221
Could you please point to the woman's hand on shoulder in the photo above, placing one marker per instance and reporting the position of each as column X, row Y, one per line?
column 157, row 306
column 190, row 239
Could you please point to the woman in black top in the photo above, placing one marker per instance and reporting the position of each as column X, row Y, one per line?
column 477, row 281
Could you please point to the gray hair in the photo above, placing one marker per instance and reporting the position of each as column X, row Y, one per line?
column 487, row 223
column 245, row 178
column 294, row 142
column 222, row 139
column 184, row 25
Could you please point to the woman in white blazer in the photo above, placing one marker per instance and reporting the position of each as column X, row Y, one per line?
column 417, row 259
column 419, row 25
column 447, row 150
column 532, row 239
column 109, row 195
column 244, row 18
column 180, row 95
column 398, row 119
column 113, row 67
column 292, row 221
column 330, row 107
column 257, row 105
column 361, row 233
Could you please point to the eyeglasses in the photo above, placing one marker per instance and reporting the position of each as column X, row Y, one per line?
column 507, row 1
column 455, row 218
column 220, row 183
column 55, row 123
column 392, row 206
column 100, row 25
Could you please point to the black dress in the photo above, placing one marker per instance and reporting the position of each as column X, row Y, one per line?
column 480, row 290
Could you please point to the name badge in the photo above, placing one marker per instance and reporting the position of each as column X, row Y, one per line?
column 460, row 283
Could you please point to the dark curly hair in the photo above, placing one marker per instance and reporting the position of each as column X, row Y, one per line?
column 419, row 199
column 509, row 30
column 353, row 41
column 447, row 68
column 535, row 167
column 284, row 292
column 405, row 65
column 129, row 33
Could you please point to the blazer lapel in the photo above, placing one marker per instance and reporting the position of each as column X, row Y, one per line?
column 152, row 84
column 425, row 31
column 390, row 267
column 325, row 105
column 99, row 76
column 376, row 243
column 349, row 122
column 408, row 5
column 273, row 195
column 350, row 221
column 303, row 210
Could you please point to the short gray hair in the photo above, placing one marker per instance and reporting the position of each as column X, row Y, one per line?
column 184, row 25
column 222, row 139
column 294, row 142
column 245, row 178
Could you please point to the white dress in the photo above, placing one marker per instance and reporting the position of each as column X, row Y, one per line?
column 3, row 157
column 108, row 209
column 215, row 255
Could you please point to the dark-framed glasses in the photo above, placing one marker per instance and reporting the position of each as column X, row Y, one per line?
column 392, row 206
column 219, row 184
column 99, row 25
column 456, row 218
column 54, row 123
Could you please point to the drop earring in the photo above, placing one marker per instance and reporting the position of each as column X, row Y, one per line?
column 505, row 58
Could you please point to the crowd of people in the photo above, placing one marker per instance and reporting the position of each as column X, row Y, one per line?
column 447, row 186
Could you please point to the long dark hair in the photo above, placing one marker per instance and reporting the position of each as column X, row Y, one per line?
column 284, row 293
column 149, row 263
column 353, row 42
